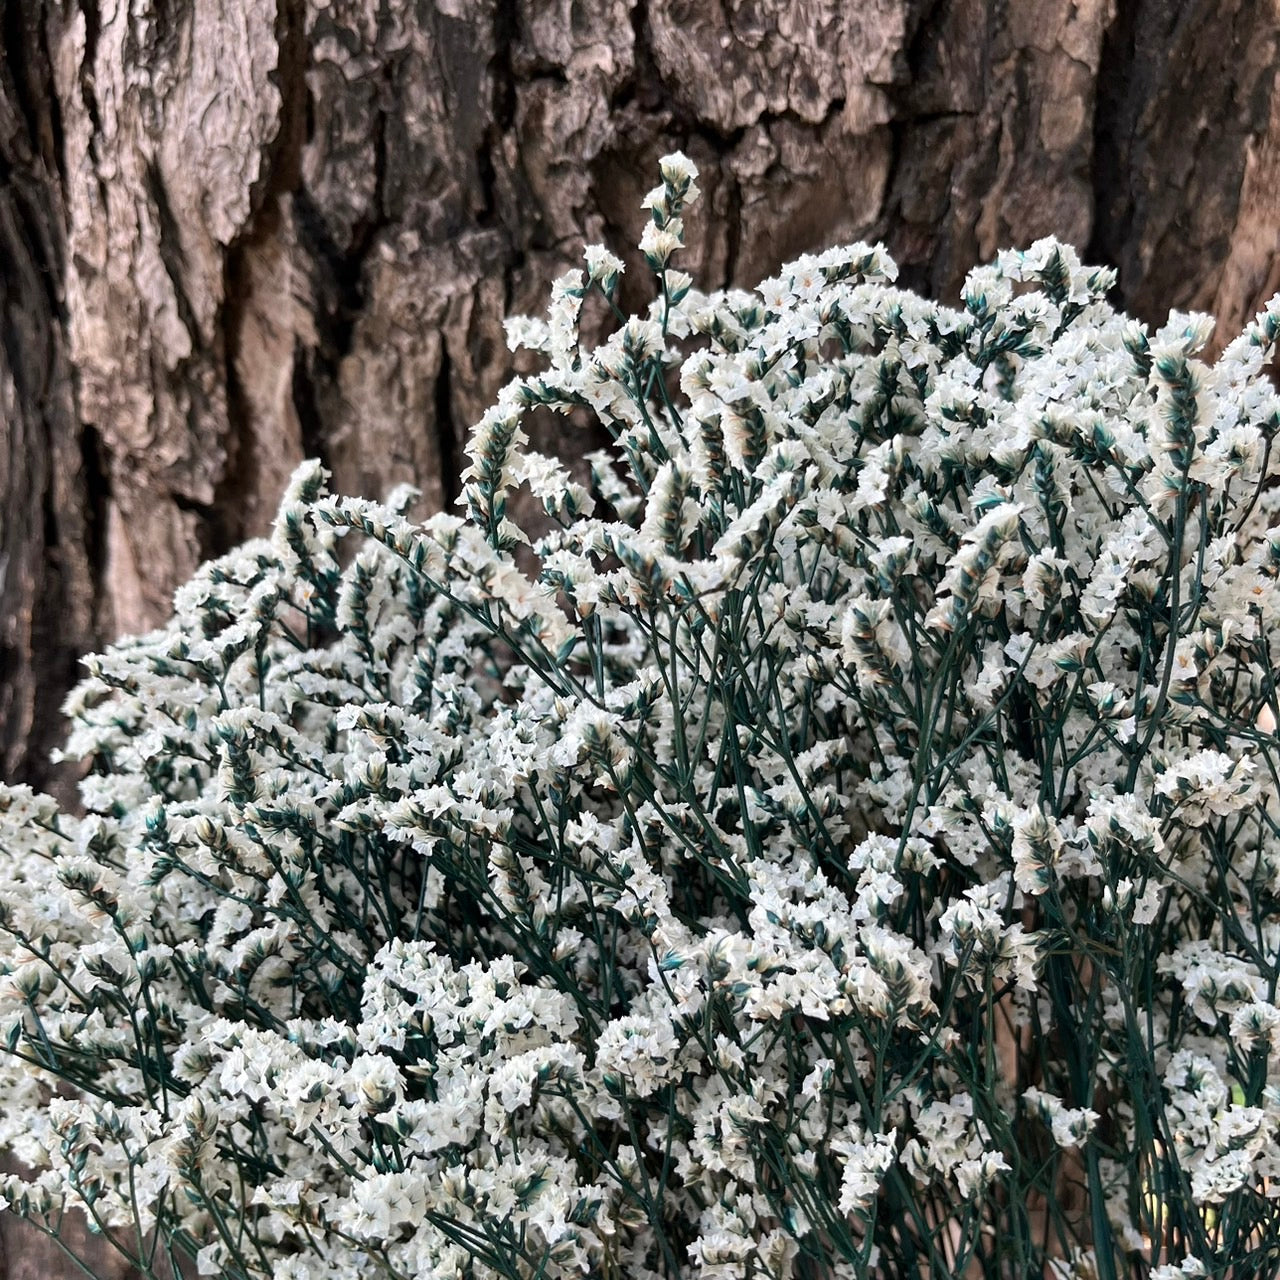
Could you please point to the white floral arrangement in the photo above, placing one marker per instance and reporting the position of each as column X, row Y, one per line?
column 842, row 839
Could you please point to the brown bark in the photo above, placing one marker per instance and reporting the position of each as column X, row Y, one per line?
column 235, row 234
column 240, row 232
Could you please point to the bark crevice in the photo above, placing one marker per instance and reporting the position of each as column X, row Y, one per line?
column 233, row 242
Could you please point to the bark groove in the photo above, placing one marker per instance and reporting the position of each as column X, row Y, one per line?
column 238, row 233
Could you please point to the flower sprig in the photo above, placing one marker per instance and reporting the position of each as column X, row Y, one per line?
column 841, row 839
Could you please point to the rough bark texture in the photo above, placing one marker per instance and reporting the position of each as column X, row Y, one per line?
column 235, row 233
column 239, row 232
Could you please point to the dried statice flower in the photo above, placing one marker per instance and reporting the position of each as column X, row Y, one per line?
column 844, row 841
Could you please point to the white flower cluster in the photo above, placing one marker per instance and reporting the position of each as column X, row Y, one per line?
column 842, row 839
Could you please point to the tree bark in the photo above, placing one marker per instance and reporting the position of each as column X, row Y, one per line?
column 240, row 232
column 236, row 233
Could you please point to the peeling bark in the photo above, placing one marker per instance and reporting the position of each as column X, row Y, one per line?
column 246, row 231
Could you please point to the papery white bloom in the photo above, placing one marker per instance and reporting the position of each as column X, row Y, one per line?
column 638, row 1052
column 527, row 332
column 381, row 1203
column 659, row 244
column 1208, row 784
column 1256, row 1025
column 602, row 266
column 974, row 1176
column 1188, row 1269
column 1037, row 846
column 867, row 1157
column 1214, row 981
column 680, row 172
column 1071, row 1126
column 1044, row 579
column 1147, row 906
column 972, row 573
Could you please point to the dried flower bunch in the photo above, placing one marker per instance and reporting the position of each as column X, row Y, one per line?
column 852, row 849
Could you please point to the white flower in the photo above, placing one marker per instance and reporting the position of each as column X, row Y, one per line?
column 1208, row 784
column 380, row 1203
column 602, row 266
column 1188, row 1269
column 1070, row 1126
column 867, row 1157
column 974, row 1176
column 678, row 170
column 638, row 1052
column 658, row 244
column 1037, row 846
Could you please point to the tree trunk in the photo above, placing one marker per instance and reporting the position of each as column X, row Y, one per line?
column 240, row 232
column 236, row 233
